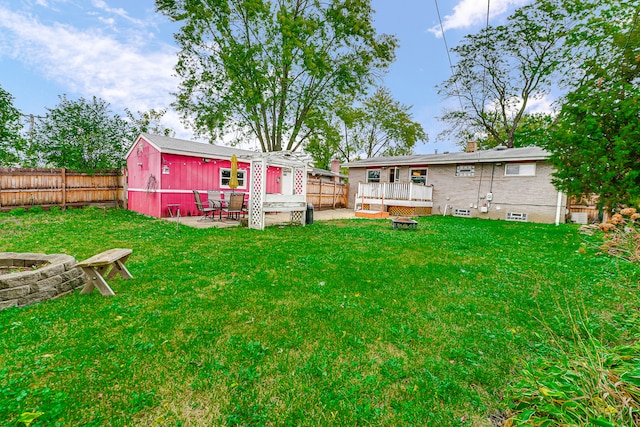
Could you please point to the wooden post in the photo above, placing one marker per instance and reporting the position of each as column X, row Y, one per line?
column 64, row 187
column 320, row 198
column 333, row 198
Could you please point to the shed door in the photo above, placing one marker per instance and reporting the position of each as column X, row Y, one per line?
column 286, row 180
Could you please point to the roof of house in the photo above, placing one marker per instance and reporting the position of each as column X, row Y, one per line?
column 169, row 145
column 324, row 172
column 482, row 156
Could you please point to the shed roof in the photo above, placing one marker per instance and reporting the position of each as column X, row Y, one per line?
column 482, row 156
column 165, row 144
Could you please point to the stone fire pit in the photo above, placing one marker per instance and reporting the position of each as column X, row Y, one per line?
column 27, row 278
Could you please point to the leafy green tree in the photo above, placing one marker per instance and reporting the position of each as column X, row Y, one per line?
column 595, row 143
column 82, row 135
column 380, row 126
column 500, row 70
column 148, row 122
column 12, row 144
column 273, row 69
column 383, row 127
column 532, row 129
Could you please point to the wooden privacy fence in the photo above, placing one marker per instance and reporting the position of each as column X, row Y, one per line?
column 325, row 194
column 24, row 187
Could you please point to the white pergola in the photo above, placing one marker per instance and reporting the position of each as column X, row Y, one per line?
column 261, row 202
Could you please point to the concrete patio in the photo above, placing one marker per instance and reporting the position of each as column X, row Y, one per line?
column 270, row 219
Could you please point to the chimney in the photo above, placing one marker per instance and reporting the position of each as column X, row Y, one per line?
column 335, row 168
column 472, row 146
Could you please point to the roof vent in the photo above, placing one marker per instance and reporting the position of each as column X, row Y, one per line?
column 501, row 147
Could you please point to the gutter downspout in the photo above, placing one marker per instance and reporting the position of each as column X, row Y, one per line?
column 558, row 208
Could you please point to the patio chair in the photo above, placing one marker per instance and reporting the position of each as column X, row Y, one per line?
column 235, row 206
column 206, row 210
column 215, row 200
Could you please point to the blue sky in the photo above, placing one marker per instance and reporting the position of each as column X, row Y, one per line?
column 123, row 52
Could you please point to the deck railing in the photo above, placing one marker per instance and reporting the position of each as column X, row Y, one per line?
column 395, row 191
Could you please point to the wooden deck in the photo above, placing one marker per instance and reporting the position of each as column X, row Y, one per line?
column 393, row 194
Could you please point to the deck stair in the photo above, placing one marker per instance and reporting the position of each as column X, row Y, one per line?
column 366, row 213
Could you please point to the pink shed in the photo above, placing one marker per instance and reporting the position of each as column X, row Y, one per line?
column 164, row 171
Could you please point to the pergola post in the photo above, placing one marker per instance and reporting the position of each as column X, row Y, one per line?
column 257, row 192
column 261, row 202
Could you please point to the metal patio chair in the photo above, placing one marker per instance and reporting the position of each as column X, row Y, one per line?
column 207, row 211
column 235, row 207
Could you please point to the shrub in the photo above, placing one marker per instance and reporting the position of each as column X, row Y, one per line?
column 621, row 236
column 587, row 383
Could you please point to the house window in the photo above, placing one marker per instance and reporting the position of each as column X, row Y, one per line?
column 462, row 212
column 419, row 176
column 225, row 177
column 373, row 175
column 394, row 175
column 465, row 170
column 517, row 216
column 520, row 169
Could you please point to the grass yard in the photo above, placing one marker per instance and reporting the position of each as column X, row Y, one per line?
column 345, row 322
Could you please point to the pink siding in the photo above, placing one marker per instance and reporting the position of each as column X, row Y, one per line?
column 144, row 179
column 158, row 179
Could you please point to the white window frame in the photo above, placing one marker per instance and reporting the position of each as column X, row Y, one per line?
column 396, row 174
column 462, row 212
column 426, row 175
column 374, row 180
column 523, row 169
column 242, row 178
column 516, row 216
column 465, row 170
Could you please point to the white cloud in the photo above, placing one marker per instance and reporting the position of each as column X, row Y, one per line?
column 538, row 104
column 470, row 13
column 101, row 4
column 542, row 105
column 92, row 63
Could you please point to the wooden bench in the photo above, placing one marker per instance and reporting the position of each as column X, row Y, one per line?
column 106, row 264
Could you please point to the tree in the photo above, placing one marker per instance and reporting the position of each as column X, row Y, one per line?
column 82, row 135
column 148, row 122
column 12, row 143
column 532, row 129
column 595, row 144
column 380, row 126
column 500, row 70
column 273, row 69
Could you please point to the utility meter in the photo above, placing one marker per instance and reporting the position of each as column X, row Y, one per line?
column 489, row 197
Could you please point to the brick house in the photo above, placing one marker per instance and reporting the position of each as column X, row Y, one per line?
column 509, row 184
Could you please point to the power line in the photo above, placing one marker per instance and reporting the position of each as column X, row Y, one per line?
column 446, row 46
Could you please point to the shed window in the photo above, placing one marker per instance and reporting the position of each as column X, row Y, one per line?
column 419, row 176
column 520, row 169
column 373, row 175
column 465, row 170
column 225, row 177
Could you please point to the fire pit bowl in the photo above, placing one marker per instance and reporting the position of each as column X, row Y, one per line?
column 27, row 278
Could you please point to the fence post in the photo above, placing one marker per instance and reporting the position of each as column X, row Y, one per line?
column 333, row 198
column 320, row 198
column 64, row 187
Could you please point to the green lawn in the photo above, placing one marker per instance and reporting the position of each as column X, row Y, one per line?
column 344, row 322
